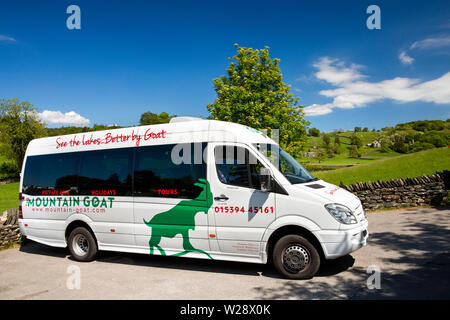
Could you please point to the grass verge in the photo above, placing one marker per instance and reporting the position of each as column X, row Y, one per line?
column 9, row 196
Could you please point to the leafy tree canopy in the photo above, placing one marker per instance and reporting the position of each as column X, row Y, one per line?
column 19, row 125
column 148, row 118
column 253, row 93
column 314, row 132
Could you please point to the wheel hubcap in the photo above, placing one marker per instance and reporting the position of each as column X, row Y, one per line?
column 295, row 258
column 80, row 245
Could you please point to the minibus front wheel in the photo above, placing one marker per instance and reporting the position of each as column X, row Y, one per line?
column 295, row 257
column 82, row 245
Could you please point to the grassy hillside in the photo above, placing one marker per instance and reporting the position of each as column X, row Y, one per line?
column 366, row 137
column 9, row 196
column 403, row 166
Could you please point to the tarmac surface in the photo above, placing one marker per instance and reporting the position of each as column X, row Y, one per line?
column 410, row 248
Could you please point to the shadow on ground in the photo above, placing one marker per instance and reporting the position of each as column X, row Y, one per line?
column 328, row 268
column 424, row 248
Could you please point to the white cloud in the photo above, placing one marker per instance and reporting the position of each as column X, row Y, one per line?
column 426, row 44
column 405, row 59
column 318, row 109
column 352, row 92
column 431, row 43
column 337, row 73
column 57, row 117
column 5, row 38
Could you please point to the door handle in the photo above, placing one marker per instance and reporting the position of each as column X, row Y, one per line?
column 221, row 198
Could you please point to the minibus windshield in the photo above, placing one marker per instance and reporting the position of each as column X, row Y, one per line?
column 288, row 166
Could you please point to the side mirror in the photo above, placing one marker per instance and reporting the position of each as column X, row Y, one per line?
column 266, row 180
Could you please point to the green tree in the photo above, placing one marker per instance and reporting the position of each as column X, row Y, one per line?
column 398, row 143
column 354, row 152
column 19, row 125
column 148, row 118
column 337, row 144
column 320, row 155
column 357, row 129
column 314, row 132
column 389, row 130
column 253, row 93
column 356, row 140
column 330, row 151
column 385, row 143
column 326, row 139
column 337, row 140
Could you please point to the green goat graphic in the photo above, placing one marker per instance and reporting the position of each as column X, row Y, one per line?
column 179, row 220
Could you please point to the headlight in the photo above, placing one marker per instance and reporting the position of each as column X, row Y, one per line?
column 341, row 213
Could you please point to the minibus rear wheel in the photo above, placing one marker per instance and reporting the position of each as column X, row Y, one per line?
column 295, row 257
column 82, row 245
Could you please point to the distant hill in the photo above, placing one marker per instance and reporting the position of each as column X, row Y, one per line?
column 402, row 166
column 425, row 125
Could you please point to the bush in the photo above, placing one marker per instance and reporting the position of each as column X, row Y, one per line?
column 419, row 146
column 8, row 169
column 356, row 141
column 314, row 132
column 438, row 139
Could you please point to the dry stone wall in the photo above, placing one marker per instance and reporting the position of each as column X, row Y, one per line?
column 9, row 228
column 406, row 192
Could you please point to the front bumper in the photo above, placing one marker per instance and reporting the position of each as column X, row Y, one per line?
column 338, row 243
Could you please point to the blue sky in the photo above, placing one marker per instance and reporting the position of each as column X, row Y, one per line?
column 135, row 56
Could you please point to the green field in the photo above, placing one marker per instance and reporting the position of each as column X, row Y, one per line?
column 346, row 160
column 9, row 196
column 402, row 166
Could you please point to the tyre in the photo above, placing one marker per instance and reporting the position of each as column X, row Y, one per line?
column 82, row 245
column 295, row 257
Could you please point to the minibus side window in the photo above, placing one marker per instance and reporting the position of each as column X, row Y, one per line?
column 237, row 166
column 156, row 175
column 106, row 171
column 53, row 174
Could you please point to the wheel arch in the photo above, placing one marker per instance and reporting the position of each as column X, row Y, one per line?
column 296, row 229
column 75, row 224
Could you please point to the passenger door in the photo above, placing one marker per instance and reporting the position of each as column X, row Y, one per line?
column 241, row 211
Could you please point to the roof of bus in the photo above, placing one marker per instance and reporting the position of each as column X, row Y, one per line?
column 168, row 133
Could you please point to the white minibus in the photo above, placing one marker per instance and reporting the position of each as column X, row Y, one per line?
column 192, row 187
